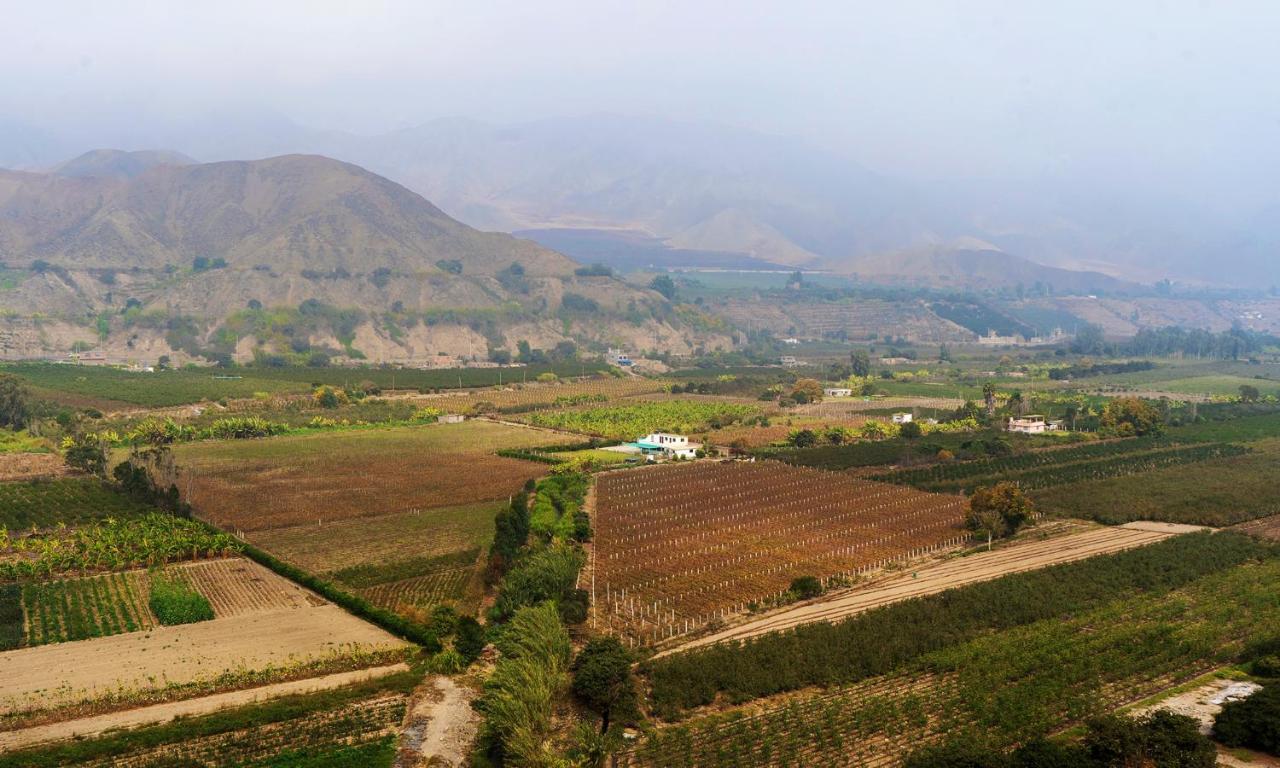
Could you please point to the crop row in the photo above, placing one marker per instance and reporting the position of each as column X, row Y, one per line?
column 78, row 609
column 883, row 639
column 1027, row 460
column 1046, row 475
column 41, row 504
column 1018, row 683
column 678, row 546
column 421, row 591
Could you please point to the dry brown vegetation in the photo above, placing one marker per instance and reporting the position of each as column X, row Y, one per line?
column 319, row 478
column 680, row 546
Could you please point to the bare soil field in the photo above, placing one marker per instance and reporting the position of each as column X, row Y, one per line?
column 31, row 466
column 1267, row 527
column 779, row 429
column 679, row 546
column 1026, row 555
column 240, row 587
column 531, row 394
column 49, row 676
column 289, row 481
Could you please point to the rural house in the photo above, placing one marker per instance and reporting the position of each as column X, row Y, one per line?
column 837, row 392
column 1033, row 425
column 668, row 446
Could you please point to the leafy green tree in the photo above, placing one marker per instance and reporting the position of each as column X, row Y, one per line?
column 998, row 511
column 803, row 438
column 87, row 453
column 602, row 679
column 469, row 638
column 911, row 431
column 1160, row 739
column 807, row 391
column 860, row 362
column 1089, row 341
column 15, row 403
column 989, row 398
column 1130, row 417
column 1253, row 722
column 664, row 285
column 1249, row 393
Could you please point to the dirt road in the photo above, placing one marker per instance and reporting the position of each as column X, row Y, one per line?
column 950, row 573
column 440, row 725
column 163, row 713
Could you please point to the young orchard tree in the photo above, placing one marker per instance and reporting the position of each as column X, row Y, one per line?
column 998, row 511
column 602, row 679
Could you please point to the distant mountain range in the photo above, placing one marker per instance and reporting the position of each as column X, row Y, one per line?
column 706, row 188
column 144, row 243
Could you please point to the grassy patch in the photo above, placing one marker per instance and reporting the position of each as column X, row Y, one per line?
column 21, row 442
column 372, row 574
column 10, row 616
column 175, row 601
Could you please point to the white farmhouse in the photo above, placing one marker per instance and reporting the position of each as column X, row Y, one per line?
column 903, row 418
column 837, row 392
column 668, row 446
column 1033, row 425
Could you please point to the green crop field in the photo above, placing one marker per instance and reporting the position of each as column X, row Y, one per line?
column 340, row 728
column 1013, row 685
column 79, row 609
column 628, row 422
column 1065, row 466
column 191, row 385
column 1218, row 492
column 45, row 503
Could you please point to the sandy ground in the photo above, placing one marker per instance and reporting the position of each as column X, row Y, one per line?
column 50, row 675
column 950, row 573
column 440, row 725
column 1203, row 704
column 30, row 466
column 162, row 713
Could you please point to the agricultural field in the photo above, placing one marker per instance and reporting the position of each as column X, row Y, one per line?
column 108, row 388
column 79, row 609
column 680, row 546
column 323, row 478
column 1219, row 492
column 1266, row 527
column 1021, row 681
column 349, row 726
column 181, row 661
column 836, row 407
column 43, row 503
column 31, row 466
column 1035, row 470
column 628, row 422
column 517, row 398
column 780, row 428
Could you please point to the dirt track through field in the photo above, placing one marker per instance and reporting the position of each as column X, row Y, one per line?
column 163, row 713
column 50, row 675
column 956, row 572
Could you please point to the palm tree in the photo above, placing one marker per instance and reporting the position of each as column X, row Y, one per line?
column 989, row 395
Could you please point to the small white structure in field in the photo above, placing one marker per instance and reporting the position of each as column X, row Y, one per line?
column 793, row 341
column 451, row 418
column 837, row 392
column 788, row 361
column 903, row 418
column 668, row 446
column 1033, row 425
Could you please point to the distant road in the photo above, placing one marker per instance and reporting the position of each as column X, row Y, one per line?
column 956, row 572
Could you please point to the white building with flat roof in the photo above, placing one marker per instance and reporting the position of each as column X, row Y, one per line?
column 668, row 446
column 1034, row 424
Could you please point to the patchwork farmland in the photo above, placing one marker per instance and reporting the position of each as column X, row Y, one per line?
column 678, row 547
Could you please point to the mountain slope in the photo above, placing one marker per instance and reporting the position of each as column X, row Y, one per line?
column 290, row 213
column 115, row 163
column 288, row 252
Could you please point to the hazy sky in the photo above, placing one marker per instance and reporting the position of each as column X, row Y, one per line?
column 1164, row 95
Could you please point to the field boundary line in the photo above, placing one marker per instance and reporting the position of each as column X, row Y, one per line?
column 162, row 713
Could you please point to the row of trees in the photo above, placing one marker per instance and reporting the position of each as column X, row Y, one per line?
column 887, row 638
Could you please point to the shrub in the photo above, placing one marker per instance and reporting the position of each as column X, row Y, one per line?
column 1253, row 722
column 805, row 587
column 175, row 601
